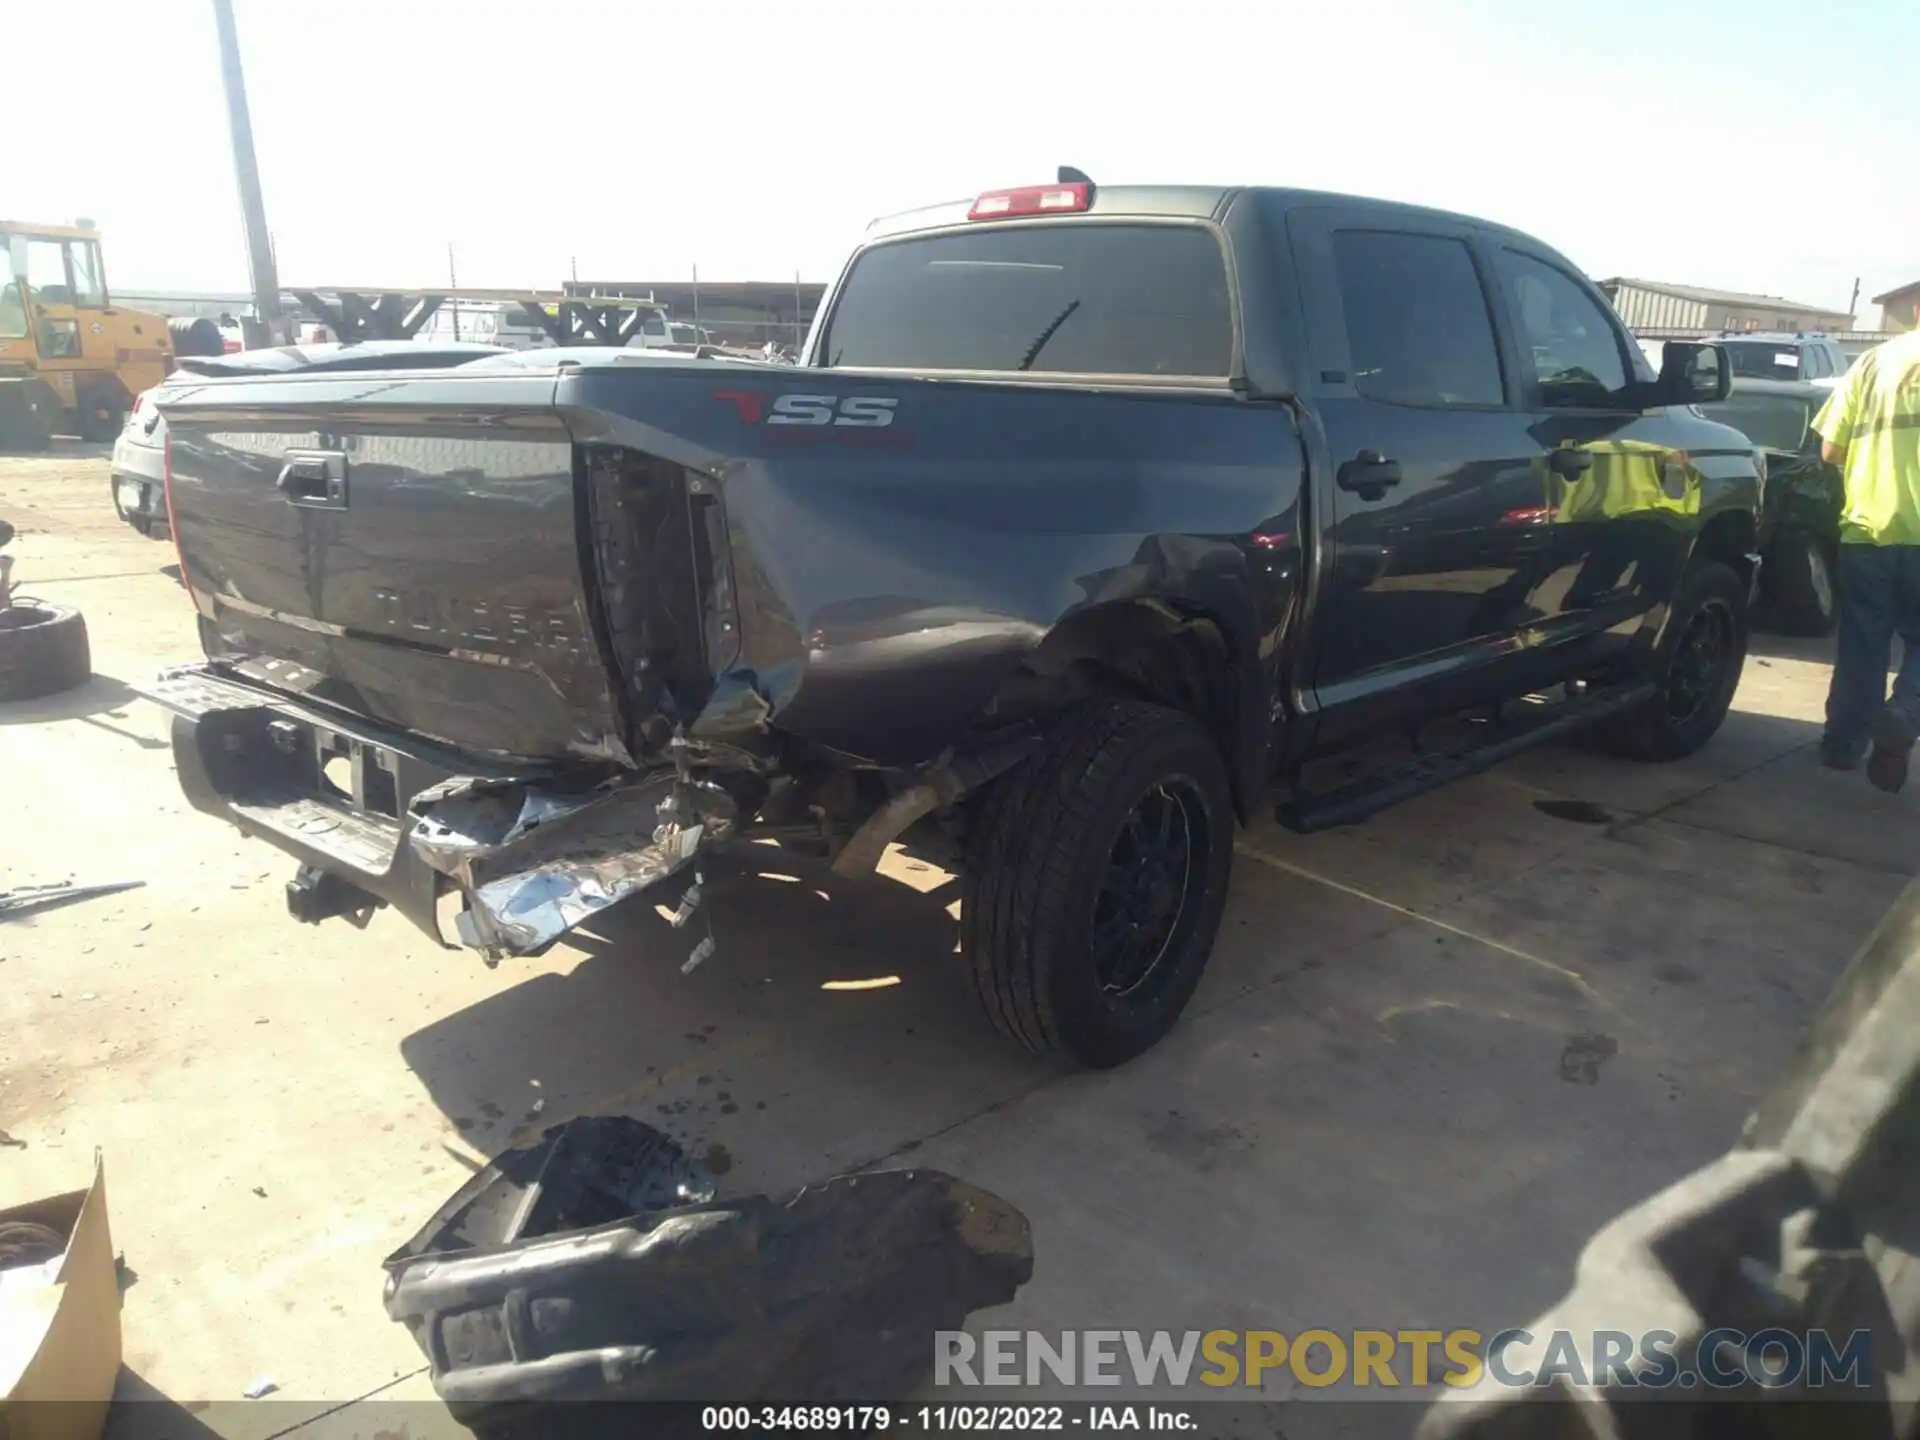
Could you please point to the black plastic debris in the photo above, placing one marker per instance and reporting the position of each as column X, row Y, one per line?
column 525, row 1291
column 585, row 1172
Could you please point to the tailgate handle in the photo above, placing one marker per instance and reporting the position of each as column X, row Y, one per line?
column 315, row 477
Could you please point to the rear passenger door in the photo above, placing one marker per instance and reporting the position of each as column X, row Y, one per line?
column 1437, row 496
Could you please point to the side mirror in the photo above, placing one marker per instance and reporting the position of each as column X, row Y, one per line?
column 1694, row 373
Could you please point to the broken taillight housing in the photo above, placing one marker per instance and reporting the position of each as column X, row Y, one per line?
column 173, row 525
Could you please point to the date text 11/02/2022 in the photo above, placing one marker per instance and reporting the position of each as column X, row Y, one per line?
column 991, row 1419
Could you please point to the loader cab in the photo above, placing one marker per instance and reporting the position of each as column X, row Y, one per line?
column 55, row 283
column 57, row 319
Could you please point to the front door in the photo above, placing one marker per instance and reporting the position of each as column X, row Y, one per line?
column 1438, row 501
column 1624, row 500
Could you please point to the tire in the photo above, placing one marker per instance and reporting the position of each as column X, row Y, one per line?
column 101, row 420
column 1798, row 583
column 43, row 650
column 1047, row 858
column 26, row 418
column 195, row 335
column 1697, row 669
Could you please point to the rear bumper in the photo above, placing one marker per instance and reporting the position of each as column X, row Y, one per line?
column 402, row 821
column 259, row 761
column 139, row 484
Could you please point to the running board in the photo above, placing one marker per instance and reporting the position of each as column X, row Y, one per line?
column 1351, row 804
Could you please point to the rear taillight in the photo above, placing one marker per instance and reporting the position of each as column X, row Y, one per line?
column 173, row 524
column 1032, row 200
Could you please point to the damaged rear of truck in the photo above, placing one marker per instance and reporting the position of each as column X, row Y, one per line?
column 502, row 646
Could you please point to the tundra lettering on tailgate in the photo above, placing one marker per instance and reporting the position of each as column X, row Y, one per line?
column 486, row 623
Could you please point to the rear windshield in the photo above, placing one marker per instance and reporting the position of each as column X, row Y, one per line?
column 1080, row 298
column 1764, row 360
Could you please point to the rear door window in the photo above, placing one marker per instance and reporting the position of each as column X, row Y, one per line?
column 1083, row 298
column 1418, row 327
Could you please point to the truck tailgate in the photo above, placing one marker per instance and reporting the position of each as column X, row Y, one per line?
column 408, row 551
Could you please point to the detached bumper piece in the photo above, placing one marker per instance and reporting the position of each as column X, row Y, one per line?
column 830, row 1293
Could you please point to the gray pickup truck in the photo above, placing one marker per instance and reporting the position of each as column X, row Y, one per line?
column 1090, row 522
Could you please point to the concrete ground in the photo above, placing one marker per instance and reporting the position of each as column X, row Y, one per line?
column 1430, row 1055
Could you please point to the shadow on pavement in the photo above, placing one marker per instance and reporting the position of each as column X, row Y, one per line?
column 141, row 1412
column 1815, row 649
column 101, row 695
column 817, row 986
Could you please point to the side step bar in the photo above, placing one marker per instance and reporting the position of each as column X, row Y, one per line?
column 1350, row 804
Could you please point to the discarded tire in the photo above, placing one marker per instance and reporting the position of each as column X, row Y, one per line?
column 43, row 650
column 197, row 336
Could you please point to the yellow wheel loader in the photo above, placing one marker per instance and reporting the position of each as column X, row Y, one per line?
column 71, row 361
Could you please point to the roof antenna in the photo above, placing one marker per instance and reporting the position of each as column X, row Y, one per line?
column 1071, row 176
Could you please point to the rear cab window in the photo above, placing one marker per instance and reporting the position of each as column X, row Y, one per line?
column 1763, row 359
column 1079, row 298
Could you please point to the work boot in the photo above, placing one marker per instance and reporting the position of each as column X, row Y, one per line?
column 1838, row 754
column 1893, row 738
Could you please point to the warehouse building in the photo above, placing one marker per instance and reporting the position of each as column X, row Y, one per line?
column 1896, row 307
column 1655, row 305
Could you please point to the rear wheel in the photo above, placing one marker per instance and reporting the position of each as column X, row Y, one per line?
column 1095, row 878
column 1797, row 585
column 1696, row 670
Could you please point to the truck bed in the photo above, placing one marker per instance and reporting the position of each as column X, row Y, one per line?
column 571, row 557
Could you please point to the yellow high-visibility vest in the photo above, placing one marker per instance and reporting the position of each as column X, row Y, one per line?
column 1875, row 413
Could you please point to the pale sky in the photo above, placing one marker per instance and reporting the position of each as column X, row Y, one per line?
column 1763, row 145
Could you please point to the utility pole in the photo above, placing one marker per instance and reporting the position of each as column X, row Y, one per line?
column 453, row 302
column 266, row 282
column 1852, row 302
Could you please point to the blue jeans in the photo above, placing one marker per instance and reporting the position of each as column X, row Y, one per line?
column 1879, row 598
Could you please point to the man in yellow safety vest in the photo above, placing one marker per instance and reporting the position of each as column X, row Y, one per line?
column 1871, row 430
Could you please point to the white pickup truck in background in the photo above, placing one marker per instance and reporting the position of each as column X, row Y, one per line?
column 502, row 323
column 1756, row 355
